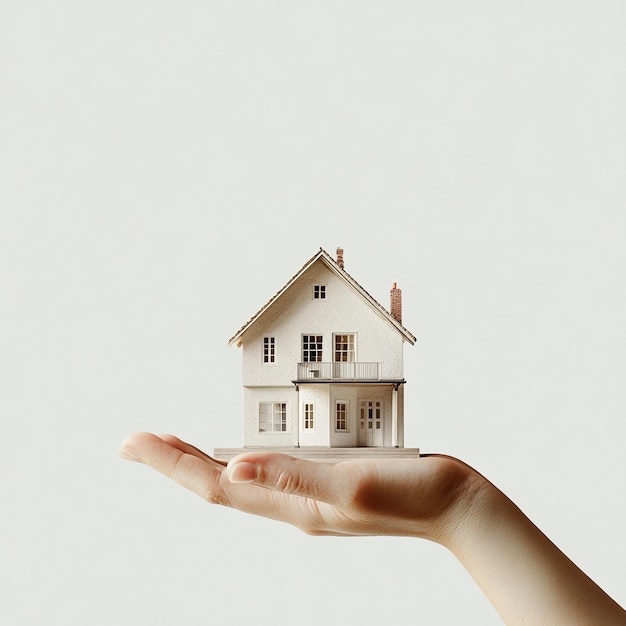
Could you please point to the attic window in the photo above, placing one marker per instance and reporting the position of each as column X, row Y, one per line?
column 319, row 292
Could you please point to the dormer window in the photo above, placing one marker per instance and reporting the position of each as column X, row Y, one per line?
column 319, row 292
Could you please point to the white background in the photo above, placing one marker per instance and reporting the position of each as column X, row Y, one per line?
column 166, row 167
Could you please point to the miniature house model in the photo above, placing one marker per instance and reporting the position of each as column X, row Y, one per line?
column 323, row 368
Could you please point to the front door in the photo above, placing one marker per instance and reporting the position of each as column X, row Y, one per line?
column 371, row 423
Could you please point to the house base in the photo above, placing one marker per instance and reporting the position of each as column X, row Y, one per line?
column 316, row 453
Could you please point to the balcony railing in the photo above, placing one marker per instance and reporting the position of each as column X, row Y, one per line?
column 339, row 371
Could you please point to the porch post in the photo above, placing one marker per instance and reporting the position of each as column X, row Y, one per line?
column 394, row 417
column 297, row 424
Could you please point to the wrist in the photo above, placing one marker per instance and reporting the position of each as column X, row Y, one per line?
column 468, row 496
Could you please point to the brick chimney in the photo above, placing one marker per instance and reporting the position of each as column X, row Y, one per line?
column 340, row 257
column 396, row 303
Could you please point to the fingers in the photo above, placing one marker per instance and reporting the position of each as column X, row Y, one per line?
column 317, row 480
column 192, row 468
column 187, row 448
column 181, row 462
column 277, row 486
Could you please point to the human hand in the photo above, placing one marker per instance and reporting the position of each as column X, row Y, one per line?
column 421, row 497
column 526, row 577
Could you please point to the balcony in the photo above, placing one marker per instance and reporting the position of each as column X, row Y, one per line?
column 339, row 371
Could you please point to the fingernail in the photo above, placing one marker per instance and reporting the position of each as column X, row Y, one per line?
column 242, row 472
column 125, row 454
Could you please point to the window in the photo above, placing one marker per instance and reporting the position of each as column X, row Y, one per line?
column 319, row 292
column 311, row 348
column 341, row 416
column 272, row 417
column 308, row 417
column 344, row 349
column 269, row 345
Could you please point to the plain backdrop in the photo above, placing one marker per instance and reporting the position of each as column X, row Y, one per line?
column 165, row 168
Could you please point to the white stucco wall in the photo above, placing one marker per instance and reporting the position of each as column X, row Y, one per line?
column 323, row 397
column 297, row 313
column 251, row 399
column 319, row 396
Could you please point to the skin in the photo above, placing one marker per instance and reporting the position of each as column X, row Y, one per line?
column 525, row 576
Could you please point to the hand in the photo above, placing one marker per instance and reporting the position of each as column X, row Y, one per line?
column 417, row 497
column 526, row 577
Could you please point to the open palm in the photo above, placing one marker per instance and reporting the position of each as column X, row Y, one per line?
column 353, row 497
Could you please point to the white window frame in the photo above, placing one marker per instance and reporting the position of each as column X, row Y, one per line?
column 318, row 339
column 309, row 416
column 319, row 292
column 349, row 352
column 269, row 350
column 273, row 417
column 346, row 417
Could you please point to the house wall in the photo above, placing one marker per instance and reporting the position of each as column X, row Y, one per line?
column 297, row 313
column 385, row 394
column 323, row 397
column 251, row 399
column 345, row 393
column 319, row 396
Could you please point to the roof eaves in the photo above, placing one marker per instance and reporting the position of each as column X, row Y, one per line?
column 330, row 262
column 339, row 271
column 237, row 336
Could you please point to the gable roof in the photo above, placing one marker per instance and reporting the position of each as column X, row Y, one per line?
column 332, row 265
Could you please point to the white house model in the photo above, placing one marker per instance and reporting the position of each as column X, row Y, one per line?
column 323, row 368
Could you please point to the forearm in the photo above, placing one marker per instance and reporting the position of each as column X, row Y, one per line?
column 524, row 575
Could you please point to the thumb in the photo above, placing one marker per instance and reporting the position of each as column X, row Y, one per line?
column 318, row 480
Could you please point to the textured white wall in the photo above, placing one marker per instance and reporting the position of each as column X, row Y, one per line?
column 251, row 399
column 319, row 396
column 297, row 313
